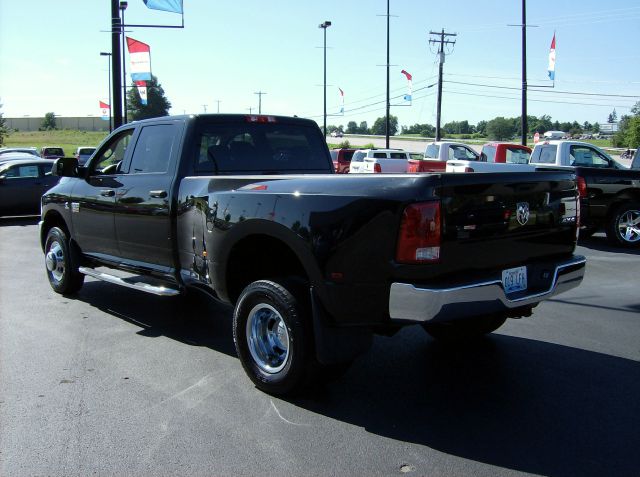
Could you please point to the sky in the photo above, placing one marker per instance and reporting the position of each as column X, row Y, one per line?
column 229, row 50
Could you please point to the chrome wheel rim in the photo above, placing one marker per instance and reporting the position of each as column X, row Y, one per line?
column 629, row 226
column 268, row 338
column 54, row 260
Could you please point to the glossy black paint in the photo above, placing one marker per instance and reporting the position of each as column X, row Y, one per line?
column 606, row 188
column 339, row 231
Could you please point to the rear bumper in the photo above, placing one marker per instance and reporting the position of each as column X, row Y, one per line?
column 410, row 303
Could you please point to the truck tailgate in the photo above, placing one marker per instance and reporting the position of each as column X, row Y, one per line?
column 496, row 220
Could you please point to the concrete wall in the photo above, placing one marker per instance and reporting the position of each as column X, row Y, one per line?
column 79, row 123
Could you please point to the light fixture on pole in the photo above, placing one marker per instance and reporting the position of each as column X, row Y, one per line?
column 324, row 25
column 123, row 7
column 102, row 53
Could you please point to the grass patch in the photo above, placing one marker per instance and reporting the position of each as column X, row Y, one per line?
column 67, row 139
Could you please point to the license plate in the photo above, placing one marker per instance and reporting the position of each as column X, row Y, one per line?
column 514, row 279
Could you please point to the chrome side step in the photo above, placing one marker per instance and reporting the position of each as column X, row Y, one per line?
column 130, row 283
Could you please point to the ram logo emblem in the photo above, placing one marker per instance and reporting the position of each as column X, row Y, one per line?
column 522, row 212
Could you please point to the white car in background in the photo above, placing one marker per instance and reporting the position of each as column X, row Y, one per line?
column 379, row 161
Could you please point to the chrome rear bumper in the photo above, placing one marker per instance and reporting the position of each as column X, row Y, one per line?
column 410, row 303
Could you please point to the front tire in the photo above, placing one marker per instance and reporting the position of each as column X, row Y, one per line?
column 271, row 335
column 464, row 330
column 623, row 228
column 62, row 271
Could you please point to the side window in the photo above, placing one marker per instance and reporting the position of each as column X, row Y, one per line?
column 380, row 155
column 398, row 155
column 153, row 149
column 471, row 155
column 544, row 154
column 488, row 154
column 22, row 172
column 108, row 159
column 517, row 156
column 432, row 151
column 461, row 152
column 587, row 157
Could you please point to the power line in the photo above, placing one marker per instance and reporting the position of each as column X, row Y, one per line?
column 547, row 91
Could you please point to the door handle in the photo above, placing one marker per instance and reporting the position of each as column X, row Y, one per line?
column 107, row 193
column 158, row 194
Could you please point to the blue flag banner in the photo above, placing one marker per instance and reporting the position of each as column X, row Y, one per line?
column 174, row 6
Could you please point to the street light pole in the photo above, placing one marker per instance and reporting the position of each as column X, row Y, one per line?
column 326, row 24
column 123, row 7
column 102, row 53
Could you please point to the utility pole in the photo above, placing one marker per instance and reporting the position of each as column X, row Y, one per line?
column 205, row 108
column 116, row 106
column 218, row 101
column 524, row 73
column 441, row 55
column 386, row 126
column 250, row 109
column 259, row 93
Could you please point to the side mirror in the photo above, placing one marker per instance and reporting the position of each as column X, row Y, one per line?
column 65, row 167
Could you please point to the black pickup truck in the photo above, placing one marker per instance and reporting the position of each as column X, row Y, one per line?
column 609, row 192
column 248, row 209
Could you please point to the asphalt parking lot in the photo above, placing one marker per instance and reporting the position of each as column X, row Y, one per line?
column 116, row 382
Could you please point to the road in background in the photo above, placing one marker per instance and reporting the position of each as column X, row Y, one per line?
column 116, row 382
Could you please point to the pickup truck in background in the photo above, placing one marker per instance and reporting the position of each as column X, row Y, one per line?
column 609, row 192
column 437, row 154
column 496, row 157
column 341, row 158
column 385, row 161
column 248, row 209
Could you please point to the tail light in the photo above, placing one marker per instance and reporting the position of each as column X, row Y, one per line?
column 582, row 186
column 377, row 168
column 260, row 119
column 419, row 239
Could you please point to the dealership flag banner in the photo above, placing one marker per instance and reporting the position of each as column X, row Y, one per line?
column 140, row 56
column 105, row 111
column 174, row 6
column 142, row 91
column 407, row 97
column 341, row 100
column 552, row 59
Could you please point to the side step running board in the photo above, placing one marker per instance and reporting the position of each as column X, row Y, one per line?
column 130, row 283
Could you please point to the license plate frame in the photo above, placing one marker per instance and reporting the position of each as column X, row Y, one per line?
column 514, row 279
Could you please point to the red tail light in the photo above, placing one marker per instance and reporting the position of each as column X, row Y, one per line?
column 582, row 186
column 419, row 239
column 377, row 168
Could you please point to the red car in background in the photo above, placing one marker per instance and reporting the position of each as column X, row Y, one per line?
column 505, row 153
column 342, row 159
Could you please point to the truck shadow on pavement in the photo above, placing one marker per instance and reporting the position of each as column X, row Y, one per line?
column 599, row 242
column 195, row 320
column 515, row 403
column 511, row 402
column 21, row 221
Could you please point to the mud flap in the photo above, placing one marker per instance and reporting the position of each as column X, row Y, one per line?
column 334, row 344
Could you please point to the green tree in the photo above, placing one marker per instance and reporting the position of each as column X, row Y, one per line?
column 613, row 117
column 3, row 129
column 379, row 127
column 363, row 128
column 500, row 129
column 633, row 132
column 352, row 127
column 595, row 127
column 636, row 109
column 481, row 127
column 49, row 122
column 157, row 104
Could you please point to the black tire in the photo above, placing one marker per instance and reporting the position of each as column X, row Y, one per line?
column 463, row 330
column 272, row 335
column 62, row 271
column 623, row 228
